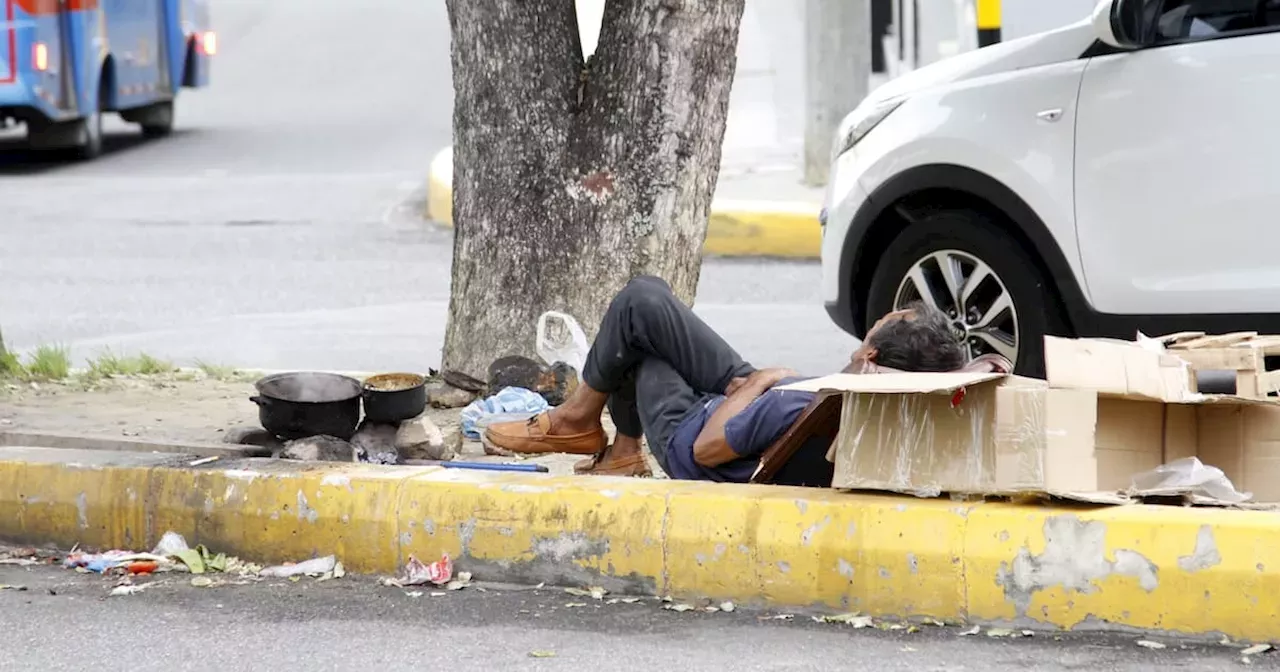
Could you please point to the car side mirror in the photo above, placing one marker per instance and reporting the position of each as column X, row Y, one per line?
column 1115, row 22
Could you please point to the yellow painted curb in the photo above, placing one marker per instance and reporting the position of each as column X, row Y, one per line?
column 1158, row 569
column 737, row 228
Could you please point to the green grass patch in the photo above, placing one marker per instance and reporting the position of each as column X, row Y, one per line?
column 10, row 365
column 218, row 371
column 48, row 363
column 109, row 365
column 150, row 366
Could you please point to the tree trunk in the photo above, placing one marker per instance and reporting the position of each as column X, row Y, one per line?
column 570, row 178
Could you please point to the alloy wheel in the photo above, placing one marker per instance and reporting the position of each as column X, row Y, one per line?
column 970, row 294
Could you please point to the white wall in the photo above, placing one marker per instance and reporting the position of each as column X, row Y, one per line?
column 1027, row 17
column 766, row 108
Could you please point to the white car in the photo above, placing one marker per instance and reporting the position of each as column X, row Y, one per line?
column 1116, row 175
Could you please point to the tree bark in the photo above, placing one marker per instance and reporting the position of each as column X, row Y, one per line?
column 570, row 178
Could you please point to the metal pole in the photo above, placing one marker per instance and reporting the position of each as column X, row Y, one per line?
column 837, row 74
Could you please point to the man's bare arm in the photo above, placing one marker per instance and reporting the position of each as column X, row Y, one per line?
column 711, row 449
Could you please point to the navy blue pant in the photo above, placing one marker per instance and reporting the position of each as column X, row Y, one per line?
column 657, row 360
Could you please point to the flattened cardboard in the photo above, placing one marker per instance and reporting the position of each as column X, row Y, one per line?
column 1116, row 369
column 892, row 383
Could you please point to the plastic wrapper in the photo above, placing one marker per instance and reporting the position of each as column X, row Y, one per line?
column 567, row 344
column 313, row 567
column 1188, row 477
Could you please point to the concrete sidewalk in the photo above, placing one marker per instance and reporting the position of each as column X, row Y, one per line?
column 761, row 208
column 1155, row 569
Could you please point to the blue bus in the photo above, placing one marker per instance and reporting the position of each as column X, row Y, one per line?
column 63, row 63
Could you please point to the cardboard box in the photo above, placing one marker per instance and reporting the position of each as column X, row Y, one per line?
column 1109, row 411
column 928, row 433
column 1239, row 435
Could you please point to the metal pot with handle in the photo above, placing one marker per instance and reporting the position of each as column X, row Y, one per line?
column 391, row 398
column 298, row 405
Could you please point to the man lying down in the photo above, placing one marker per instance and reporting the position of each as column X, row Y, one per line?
column 706, row 413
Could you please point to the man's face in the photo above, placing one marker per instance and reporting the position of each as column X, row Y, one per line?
column 866, row 354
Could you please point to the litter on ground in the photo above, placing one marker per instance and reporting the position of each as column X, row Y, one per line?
column 318, row 567
column 173, row 554
column 416, row 573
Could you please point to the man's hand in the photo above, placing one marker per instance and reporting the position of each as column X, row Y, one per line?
column 762, row 378
column 734, row 385
column 711, row 449
column 767, row 378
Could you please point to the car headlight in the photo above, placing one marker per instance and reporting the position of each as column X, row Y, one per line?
column 857, row 125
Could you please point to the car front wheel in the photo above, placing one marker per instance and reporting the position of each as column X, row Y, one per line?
column 968, row 268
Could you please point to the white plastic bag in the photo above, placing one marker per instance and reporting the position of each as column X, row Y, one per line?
column 1188, row 476
column 573, row 353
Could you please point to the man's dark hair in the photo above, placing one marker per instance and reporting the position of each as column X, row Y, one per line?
column 923, row 342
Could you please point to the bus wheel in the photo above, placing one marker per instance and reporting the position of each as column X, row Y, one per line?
column 156, row 120
column 89, row 146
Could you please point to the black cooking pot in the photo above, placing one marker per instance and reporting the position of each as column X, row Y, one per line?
column 298, row 405
column 394, row 397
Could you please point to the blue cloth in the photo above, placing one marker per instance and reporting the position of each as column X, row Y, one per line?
column 510, row 403
column 749, row 434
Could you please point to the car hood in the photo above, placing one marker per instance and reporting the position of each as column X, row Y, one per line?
column 1054, row 46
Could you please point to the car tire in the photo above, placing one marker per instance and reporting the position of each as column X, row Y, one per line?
column 967, row 242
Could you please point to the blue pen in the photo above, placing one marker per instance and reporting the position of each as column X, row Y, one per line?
column 489, row 466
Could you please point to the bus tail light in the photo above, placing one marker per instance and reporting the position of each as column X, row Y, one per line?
column 209, row 43
column 40, row 56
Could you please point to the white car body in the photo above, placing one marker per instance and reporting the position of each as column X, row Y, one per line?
column 1145, row 170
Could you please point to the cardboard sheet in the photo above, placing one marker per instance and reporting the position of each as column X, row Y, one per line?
column 1116, row 369
column 892, row 383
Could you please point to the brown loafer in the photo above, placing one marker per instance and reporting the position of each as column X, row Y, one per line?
column 607, row 465
column 533, row 436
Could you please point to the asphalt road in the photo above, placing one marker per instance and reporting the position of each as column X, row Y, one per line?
column 278, row 228
column 65, row 621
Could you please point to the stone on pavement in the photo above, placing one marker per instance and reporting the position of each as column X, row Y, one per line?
column 447, row 396
column 420, row 439
column 555, row 383
column 319, row 449
column 252, row 436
